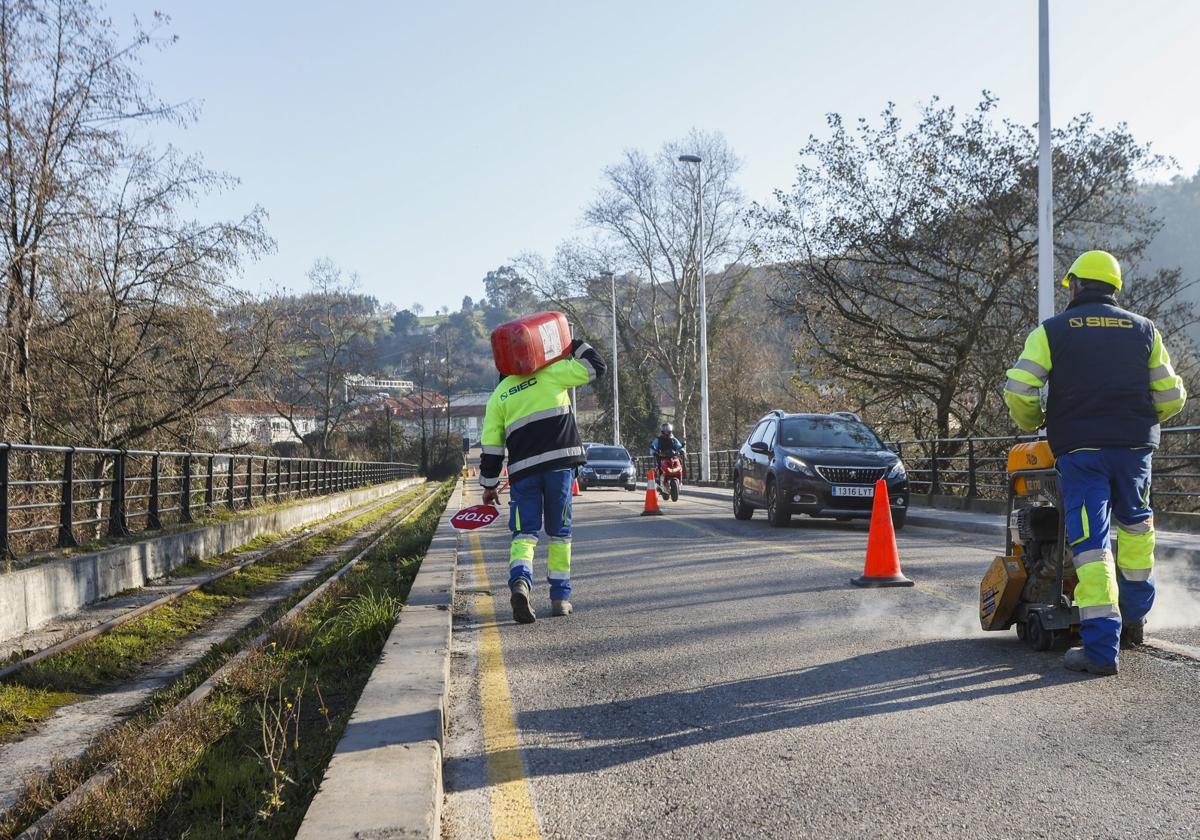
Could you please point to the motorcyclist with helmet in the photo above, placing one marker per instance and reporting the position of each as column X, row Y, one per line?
column 664, row 446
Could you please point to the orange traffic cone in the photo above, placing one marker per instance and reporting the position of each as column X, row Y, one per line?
column 575, row 487
column 883, row 558
column 651, row 508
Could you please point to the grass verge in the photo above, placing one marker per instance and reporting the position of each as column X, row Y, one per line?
column 247, row 762
column 33, row 695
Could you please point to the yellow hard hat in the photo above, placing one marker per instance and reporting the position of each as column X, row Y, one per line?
column 1095, row 265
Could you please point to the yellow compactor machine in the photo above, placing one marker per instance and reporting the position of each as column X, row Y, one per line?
column 1033, row 584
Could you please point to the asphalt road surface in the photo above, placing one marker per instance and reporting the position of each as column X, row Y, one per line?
column 724, row 679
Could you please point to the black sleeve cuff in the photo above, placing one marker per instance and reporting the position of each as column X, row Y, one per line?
column 587, row 354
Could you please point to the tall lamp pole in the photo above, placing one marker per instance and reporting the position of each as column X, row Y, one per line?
column 704, row 441
column 615, row 380
column 1045, row 173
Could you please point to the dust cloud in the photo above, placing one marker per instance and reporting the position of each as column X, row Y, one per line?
column 1176, row 605
column 947, row 621
column 1177, row 602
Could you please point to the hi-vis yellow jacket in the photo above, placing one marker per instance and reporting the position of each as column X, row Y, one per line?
column 1110, row 378
column 531, row 417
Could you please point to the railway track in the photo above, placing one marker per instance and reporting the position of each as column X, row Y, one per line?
column 45, row 826
column 274, row 549
column 310, row 572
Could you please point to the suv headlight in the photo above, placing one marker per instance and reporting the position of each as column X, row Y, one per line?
column 797, row 465
column 897, row 470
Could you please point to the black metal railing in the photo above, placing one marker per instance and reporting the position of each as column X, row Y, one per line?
column 60, row 496
column 972, row 467
column 977, row 467
column 720, row 466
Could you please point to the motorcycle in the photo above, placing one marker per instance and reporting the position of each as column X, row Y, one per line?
column 670, row 476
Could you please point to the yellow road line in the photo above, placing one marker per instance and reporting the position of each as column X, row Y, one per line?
column 512, row 804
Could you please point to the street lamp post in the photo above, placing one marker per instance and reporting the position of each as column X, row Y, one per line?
column 615, row 380
column 704, row 441
column 1045, row 173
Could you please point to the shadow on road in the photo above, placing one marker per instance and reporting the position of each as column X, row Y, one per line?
column 596, row 736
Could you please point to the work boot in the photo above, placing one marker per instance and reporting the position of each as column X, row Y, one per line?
column 560, row 608
column 521, row 608
column 1076, row 660
column 1132, row 634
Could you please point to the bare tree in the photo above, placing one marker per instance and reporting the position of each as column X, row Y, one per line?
column 753, row 366
column 67, row 92
column 448, row 343
column 647, row 221
column 909, row 255
column 142, row 330
column 328, row 336
column 577, row 283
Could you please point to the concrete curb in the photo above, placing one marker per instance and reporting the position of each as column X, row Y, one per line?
column 385, row 778
column 31, row 597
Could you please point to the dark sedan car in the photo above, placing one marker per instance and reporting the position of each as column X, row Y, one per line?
column 823, row 465
column 607, row 466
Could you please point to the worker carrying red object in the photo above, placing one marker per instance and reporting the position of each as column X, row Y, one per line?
column 531, row 343
column 529, row 414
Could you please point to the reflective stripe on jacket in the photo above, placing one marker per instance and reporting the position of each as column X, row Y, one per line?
column 530, row 416
column 1110, row 378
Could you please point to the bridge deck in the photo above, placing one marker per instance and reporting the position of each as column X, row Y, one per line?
column 722, row 678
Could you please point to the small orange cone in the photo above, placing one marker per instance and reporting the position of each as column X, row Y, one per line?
column 651, row 508
column 575, row 487
column 883, row 558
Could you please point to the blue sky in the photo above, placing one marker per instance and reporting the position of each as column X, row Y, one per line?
column 422, row 144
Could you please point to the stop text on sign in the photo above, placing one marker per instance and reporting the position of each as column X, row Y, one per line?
column 476, row 516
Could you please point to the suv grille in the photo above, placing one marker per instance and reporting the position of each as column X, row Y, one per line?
column 851, row 475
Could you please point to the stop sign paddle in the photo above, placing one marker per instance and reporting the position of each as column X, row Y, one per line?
column 476, row 516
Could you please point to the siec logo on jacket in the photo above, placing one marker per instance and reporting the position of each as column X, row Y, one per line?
column 1098, row 321
column 516, row 389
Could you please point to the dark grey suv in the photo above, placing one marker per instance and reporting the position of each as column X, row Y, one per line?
column 823, row 465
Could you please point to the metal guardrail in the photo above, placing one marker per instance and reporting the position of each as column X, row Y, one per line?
column 976, row 467
column 50, row 496
column 720, row 466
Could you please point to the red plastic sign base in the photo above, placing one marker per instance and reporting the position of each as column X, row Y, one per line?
column 476, row 516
